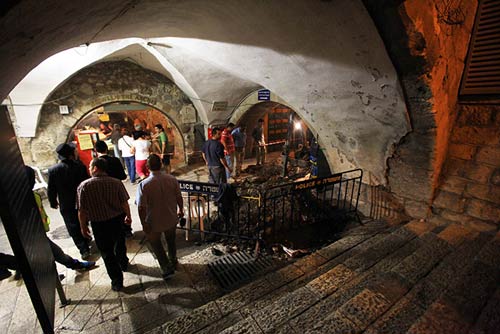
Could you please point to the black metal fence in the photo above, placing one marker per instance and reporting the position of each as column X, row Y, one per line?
column 325, row 199
column 230, row 212
column 247, row 213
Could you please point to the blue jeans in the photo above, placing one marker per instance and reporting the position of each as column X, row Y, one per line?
column 130, row 163
column 229, row 160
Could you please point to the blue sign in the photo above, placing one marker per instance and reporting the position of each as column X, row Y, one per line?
column 264, row 95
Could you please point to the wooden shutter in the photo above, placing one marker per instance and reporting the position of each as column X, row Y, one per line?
column 482, row 69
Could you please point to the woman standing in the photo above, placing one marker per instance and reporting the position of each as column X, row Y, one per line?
column 141, row 147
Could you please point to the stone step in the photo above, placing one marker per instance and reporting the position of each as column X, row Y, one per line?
column 362, row 295
column 423, row 304
column 378, row 280
column 239, row 303
column 286, row 293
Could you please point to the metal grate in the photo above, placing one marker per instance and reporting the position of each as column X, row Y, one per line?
column 233, row 269
column 482, row 70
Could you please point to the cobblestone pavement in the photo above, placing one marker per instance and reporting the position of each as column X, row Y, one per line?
column 413, row 278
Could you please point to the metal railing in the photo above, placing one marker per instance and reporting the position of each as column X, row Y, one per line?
column 233, row 217
column 247, row 213
column 325, row 199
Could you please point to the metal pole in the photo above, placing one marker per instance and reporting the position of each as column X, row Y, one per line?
column 60, row 292
column 286, row 147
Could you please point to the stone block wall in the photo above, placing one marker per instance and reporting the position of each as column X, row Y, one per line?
column 97, row 85
column 469, row 190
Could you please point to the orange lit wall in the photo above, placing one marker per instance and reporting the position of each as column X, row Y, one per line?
column 445, row 52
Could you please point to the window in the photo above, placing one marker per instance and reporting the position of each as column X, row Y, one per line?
column 482, row 69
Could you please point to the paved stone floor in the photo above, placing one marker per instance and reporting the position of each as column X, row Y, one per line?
column 412, row 278
column 145, row 302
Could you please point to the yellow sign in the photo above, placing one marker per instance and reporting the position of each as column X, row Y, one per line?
column 104, row 117
column 85, row 141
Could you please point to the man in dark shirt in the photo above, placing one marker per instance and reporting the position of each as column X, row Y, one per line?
column 64, row 179
column 213, row 154
column 103, row 201
column 114, row 169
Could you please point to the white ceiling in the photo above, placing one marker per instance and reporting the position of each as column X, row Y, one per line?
column 325, row 59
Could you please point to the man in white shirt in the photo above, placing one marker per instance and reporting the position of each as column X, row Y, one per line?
column 125, row 144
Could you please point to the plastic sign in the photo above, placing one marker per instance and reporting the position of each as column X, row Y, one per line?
column 264, row 95
column 219, row 106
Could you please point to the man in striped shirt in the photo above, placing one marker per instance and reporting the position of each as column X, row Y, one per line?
column 103, row 201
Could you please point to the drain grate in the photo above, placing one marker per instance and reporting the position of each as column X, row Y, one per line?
column 233, row 269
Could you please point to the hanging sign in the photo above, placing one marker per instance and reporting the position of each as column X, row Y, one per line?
column 219, row 106
column 264, row 95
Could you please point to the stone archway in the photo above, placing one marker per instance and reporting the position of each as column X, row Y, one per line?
column 101, row 84
column 154, row 116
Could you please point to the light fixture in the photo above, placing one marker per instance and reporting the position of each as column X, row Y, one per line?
column 298, row 125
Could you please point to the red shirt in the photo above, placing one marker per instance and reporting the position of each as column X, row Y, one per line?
column 227, row 141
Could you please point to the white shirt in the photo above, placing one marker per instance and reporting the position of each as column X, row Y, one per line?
column 125, row 143
column 142, row 149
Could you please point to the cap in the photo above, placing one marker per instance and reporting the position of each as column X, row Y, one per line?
column 65, row 150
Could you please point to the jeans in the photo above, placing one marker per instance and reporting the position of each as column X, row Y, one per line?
column 62, row 257
column 229, row 160
column 110, row 240
column 130, row 163
column 7, row 262
column 216, row 175
column 261, row 155
column 73, row 226
column 154, row 239
column 238, row 160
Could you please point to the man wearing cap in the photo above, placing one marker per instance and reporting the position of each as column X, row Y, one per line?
column 64, row 179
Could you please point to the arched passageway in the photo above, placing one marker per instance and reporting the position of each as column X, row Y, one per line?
column 125, row 114
column 104, row 85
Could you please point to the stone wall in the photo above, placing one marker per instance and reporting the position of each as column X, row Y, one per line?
column 100, row 84
column 429, row 55
column 470, row 187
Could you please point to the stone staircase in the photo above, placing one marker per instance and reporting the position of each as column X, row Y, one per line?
column 414, row 278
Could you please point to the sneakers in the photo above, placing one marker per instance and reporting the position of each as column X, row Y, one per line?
column 84, row 265
column 117, row 287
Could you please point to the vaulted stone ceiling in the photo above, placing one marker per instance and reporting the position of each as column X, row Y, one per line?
column 324, row 58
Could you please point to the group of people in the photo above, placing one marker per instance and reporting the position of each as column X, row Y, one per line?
column 133, row 148
column 100, row 201
column 224, row 152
